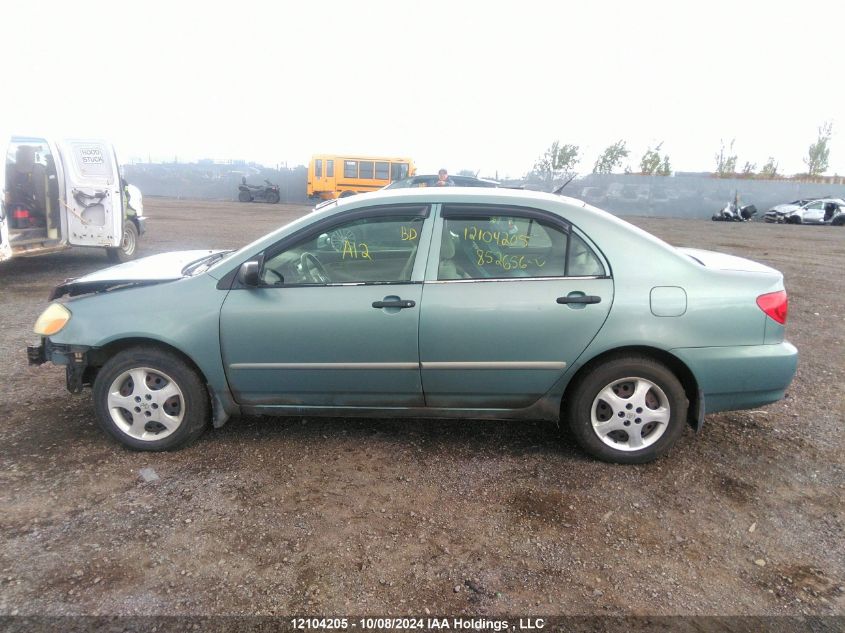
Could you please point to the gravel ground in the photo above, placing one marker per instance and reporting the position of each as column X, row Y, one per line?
column 322, row 516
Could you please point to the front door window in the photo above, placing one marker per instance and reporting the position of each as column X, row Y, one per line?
column 365, row 250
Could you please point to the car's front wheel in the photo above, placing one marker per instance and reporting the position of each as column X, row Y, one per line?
column 628, row 410
column 150, row 400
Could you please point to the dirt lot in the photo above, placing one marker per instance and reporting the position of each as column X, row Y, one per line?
column 328, row 516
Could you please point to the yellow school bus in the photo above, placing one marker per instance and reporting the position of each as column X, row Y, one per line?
column 335, row 176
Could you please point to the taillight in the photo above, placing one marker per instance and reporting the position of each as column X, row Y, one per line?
column 775, row 305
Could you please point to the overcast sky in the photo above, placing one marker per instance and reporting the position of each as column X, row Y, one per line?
column 485, row 86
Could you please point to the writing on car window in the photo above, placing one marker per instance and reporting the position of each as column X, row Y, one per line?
column 365, row 250
column 503, row 246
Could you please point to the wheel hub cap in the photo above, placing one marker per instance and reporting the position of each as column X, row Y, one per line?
column 146, row 404
column 630, row 414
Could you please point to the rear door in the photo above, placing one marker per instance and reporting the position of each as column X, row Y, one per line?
column 323, row 179
column 91, row 196
column 511, row 299
column 814, row 212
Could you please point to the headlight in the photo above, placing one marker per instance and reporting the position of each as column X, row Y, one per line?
column 52, row 320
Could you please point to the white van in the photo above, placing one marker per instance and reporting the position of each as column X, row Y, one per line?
column 58, row 194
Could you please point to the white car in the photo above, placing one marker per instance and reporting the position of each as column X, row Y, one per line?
column 816, row 211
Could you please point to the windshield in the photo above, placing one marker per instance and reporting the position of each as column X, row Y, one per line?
column 406, row 183
column 273, row 236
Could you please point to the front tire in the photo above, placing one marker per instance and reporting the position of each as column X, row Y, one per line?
column 244, row 196
column 150, row 400
column 273, row 197
column 128, row 244
column 629, row 410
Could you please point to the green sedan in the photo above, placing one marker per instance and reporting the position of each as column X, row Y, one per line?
column 439, row 303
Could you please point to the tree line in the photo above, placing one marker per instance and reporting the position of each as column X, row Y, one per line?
column 559, row 161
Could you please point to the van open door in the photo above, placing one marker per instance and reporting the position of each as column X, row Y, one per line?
column 92, row 201
column 5, row 247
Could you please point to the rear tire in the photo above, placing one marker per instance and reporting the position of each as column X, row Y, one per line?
column 128, row 244
column 839, row 220
column 150, row 400
column 629, row 410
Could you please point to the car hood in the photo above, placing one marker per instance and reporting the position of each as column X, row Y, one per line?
column 784, row 208
column 723, row 261
column 145, row 271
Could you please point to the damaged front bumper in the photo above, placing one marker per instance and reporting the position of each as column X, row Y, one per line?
column 73, row 357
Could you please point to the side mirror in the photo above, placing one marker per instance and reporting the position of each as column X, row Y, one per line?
column 248, row 273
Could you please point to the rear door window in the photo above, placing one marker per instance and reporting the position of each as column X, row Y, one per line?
column 496, row 243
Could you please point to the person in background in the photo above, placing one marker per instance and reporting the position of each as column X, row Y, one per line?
column 443, row 179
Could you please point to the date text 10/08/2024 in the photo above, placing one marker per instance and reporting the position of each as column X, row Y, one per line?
column 419, row 624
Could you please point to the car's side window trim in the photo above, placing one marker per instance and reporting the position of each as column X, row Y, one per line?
column 481, row 211
column 488, row 280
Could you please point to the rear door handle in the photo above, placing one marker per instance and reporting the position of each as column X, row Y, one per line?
column 579, row 299
column 396, row 303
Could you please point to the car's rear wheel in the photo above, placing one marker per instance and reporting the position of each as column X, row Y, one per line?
column 150, row 400
column 629, row 410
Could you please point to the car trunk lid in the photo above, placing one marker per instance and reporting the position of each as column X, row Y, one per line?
column 723, row 261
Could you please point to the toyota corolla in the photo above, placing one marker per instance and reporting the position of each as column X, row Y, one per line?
column 429, row 303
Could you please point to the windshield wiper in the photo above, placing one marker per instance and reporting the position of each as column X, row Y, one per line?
column 206, row 261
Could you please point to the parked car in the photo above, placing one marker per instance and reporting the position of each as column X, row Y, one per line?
column 593, row 195
column 808, row 211
column 446, row 303
column 429, row 180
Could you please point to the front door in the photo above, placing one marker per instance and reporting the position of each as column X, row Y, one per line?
column 814, row 212
column 510, row 302
column 335, row 321
column 92, row 196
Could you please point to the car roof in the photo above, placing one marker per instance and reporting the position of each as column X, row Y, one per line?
column 452, row 176
column 457, row 194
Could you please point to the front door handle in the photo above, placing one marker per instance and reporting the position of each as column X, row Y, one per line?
column 396, row 303
column 579, row 299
